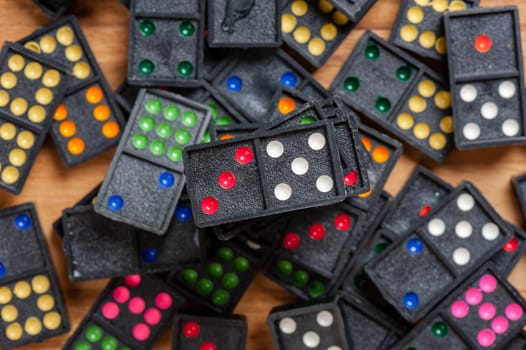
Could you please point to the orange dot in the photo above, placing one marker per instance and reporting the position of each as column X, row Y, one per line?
column 76, row 145
column 483, row 43
column 380, row 154
column 67, row 128
column 366, row 194
column 286, row 105
column 366, row 142
column 94, row 94
column 226, row 137
column 61, row 112
column 101, row 113
column 110, row 130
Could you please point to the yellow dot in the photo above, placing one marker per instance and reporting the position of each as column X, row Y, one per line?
column 405, row 121
column 299, row 7
column 408, row 33
column 325, row 6
column 288, row 23
column 33, row 71
column 8, row 80
column 9, row 313
column 22, row 289
column 443, row 99
column 437, row 141
column 5, row 295
column 73, row 53
column 316, row 47
column 16, row 63
column 440, row 46
column 14, row 332
column 81, row 70
column 17, row 157
column 44, row 96
column 415, row 14
column 18, row 106
column 7, row 131
column 423, row 2
column 446, row 124
column 48, row 44
column 25, row 139
column 4, row 98
column 340, row 18
column 427, row 39
column 417, row 104
column 33, row 46
column 328, row 31
column 52, row 320
column 40, row 284
column 33, row 326
column 36, row 114
column 301, row 35
column 366, row 194
column 457, row 5
column 51, row 78
column 440, row 5
column 65, row 35
column 426, row 88
column 45, row 302
column 421, row 130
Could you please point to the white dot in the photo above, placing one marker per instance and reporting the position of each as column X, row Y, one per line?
column 316, row 141
column 299, row 166
column 275, row 149
column 461, row 256
column 436, row 227
column 282, row 191
column 471, row 131
column 334, row 347
column 507, row 89
column 287, row 325
column 510, row 127
column 468, row 93
column 324, row 183
column 465, row 202
column 489, row 110
column 324, row 318
column 490, row 231
column 463, row 229
column 311, row 339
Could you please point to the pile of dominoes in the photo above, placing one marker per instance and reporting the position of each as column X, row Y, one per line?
column 232, row 160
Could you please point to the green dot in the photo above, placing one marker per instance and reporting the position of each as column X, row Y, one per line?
column 147, row 27
column 372, row 51
column 284, row 267
column 220, row 297
column 225, row 254
column 241, row 264
column 206, row 137
column 383, row 105
column 215, row 270
column 230, row 280
column 204, row 286
column 189, row 276
column 146, row 123
column 140, row 141
column 185, row 69
column 224, row 120
column 82, row 346
column 351, row 84
column 109, row 343
column 164, row 130
column 214, row 109
column 300, row 278
column 189, row 119
column 125, row 348
column 403, row 73
column 379, row 247
column 186, row 29
column 171, row 112
column 146, row 67
column 157, row 147
column 153, row 106
column 307, row 120
column 360, row 281
column 316, row 289
column 439, row 329
column 175, row 154
column 94, row 334
column 183, row 136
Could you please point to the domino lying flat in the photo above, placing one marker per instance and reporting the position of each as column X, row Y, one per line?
column 53, row 8
column 354, row 9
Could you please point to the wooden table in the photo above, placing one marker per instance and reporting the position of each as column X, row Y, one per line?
column 52, row 187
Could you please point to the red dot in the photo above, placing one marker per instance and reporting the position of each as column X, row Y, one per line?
column 191, row 329
column 208, row 346
column 316, row 231
column 342, row 222
column 291, row 241
column 483, row 43
column 424, row 210
column 244, row 155
column 226, row 180
column 110, row 310
column 141, row 332
column 511, row 245
column 350, row 178
column 132, row 281
column 136, row 305
column 209, row 205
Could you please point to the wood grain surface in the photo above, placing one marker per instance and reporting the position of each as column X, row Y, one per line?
column 52, row 187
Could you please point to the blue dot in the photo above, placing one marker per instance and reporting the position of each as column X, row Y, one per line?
column 289, row 79
column 23, row 222
column 414, row 246
column 150, row 255
column 2, row 270
column 115, row 202
column 410, row 301
column 166, row 180
column 183, row 212
column 234, row 83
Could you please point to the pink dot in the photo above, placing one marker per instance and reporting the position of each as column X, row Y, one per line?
column 152, row 316
column 163, row 301
column 486, row 338
column 513, row 312
column 488, row 283
column 141, row 332
column 132, row 281
column 459, row 309
column 121, row 294
column 136, row 305
column 499, row 325
column 110, row 310
column 473, row 296
column 487, row 311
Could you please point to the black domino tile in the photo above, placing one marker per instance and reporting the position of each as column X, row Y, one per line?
column 517, row 343
column 519, row 184
column 54, row 8
column 354, row 9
